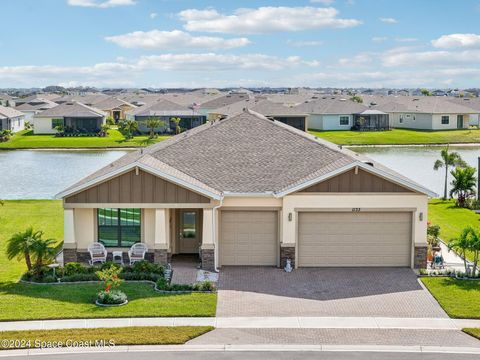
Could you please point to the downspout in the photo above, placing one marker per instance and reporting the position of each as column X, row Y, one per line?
column 214, row 231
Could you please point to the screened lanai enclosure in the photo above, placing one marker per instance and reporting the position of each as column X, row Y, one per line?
column 371, row 120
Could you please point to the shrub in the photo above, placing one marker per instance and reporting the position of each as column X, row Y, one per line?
column 80, row 277
column 140, row 276
column 112, row 297
column 163, row 284
column 74, row 268
column 109, row 264
column 144, row 267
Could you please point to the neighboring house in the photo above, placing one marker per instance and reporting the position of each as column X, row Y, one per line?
column 73, row 116
column 247, row 190
column 165, row 110
column 11, row 119
column 218, row 102
column 7, row 100
column 87, row 99
column 331, row 113
column 35, row 106
column 115, row 108
column 425, row 112
column 473, row 103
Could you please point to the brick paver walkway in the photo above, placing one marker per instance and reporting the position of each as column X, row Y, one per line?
column 381, row 292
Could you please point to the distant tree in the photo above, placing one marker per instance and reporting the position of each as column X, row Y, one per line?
column 7, row 103
column 357, row 99
column 128, row 128
column 110, row 121
column 152, row 124
column 426, row 92
column 463, row 184
column 176, row 121
column 449, row 159
column 28, row 125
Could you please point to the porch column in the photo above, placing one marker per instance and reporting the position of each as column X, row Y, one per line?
column 69, row 241
column 162, row 236
column 207, row 251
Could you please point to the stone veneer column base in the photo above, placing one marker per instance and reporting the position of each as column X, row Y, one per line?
column 420, row 257
column 287, row 252
column 69, row 255
column 207, row 256
column 160, row 256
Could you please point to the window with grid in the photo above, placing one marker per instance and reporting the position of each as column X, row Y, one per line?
column 344, row 120
column 445, row 119
column 119, row 227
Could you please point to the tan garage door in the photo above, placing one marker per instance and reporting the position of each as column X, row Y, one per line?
column 248, row 238
column 354, row 239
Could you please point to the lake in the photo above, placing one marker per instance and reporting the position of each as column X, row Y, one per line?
column 41, row 174
column 416, row 162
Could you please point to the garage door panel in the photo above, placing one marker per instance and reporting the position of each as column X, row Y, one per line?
column 248, row 238
column 354, row 239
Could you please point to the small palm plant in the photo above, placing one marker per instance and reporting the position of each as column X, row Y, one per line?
column 176, row 121
column 128, row 128
column 449, row 159
column 21, row 245
column 152, row 124
column 43, row 251
column 469, row 239
column 463, row 184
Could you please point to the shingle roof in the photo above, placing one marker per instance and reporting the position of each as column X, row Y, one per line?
column 36, row 104
column 9, row 112
column 72, row 109
column 332, row 105
column 270, row 108
column 246, row 153
column 224, row 100
column 112, row 103
column 161, row 107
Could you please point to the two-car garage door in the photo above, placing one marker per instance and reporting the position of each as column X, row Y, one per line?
column 249, row 238
column 354, row 239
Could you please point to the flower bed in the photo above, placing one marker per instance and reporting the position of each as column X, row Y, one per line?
column 162, row 285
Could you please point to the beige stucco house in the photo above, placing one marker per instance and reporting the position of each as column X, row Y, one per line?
column 248, row 190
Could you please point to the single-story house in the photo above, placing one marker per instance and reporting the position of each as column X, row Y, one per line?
column 331, row 113
column 115, row 108
column 7, row 100
column 35, row 106
column 165, row 110
column 73, row 116
column 247, row 190
column 220, row 101
column 423, row 112
column 473, row 103
column 11, row 119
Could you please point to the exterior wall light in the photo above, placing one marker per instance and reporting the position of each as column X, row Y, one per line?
column 420, row 216
column 290, row 216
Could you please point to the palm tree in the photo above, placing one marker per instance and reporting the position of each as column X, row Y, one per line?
column 20, row 245
column 460, row 245
column 463, row 184
column 448, row 159
column 128, row 128
column 176, row 121
column 153, row 123
column 43, row 251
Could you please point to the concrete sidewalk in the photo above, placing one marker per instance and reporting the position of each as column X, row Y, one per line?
column 251, row 323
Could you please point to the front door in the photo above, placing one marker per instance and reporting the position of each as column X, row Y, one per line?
column 459, row 121
column 189, row 237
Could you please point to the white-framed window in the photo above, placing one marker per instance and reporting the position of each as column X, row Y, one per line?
column 408, row 116
column 401, row 119
column 445, row 119
column 344, row 120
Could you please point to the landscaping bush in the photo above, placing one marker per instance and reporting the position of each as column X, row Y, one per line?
column 140, row 276
column 80, row 277
column 75, row 268
column 163, row 285
column 111, row 297
column 144, row 267
column 110, row 264
column 43, row 275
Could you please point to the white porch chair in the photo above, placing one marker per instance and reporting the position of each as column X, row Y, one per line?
column 137, row 252
column 98, row 253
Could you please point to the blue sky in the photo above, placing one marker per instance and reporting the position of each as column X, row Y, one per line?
column 173, row 43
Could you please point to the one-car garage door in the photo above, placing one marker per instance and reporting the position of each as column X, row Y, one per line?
column 248, row 238
column 354, row 239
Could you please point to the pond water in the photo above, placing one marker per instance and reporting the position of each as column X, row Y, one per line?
column 41, row 174
column 416, row 162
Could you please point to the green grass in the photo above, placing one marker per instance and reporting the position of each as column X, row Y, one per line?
column 452, row 219
column 28, row 302
column 399, row 137
column 27, row 140
column 135, row 335
column 472, row 332
column 459, row 298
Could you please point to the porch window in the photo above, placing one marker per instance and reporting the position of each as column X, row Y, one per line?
column 57, row 122
column 119, row 227
column 445, row 119
column 344, row 120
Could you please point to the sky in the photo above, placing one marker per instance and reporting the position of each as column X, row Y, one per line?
column 282, row 43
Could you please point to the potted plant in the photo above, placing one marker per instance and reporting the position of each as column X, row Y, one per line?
column 111, row 295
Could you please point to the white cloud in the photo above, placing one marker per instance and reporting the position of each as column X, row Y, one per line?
column 361, row 59
column 100, row 3
column 304, row 43
column 406, row 39
column 157, row 39
column 388, row 20
column 457, row 41
column 379, row 39
column 264, row 20
column 153, row 15
column 405, row 57
column 323, row 2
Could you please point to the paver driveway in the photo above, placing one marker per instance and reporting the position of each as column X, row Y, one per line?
column 265, row 291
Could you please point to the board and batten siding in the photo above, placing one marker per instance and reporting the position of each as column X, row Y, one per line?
column 351, row 182
column 137, row 189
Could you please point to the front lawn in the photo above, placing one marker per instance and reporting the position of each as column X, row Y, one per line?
column 472, row 332
column 27, row 140
column 451, row 219
column 70, row 301
column 22, row 301
column 399, row 137
column 459, row 298
column 135, row 335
